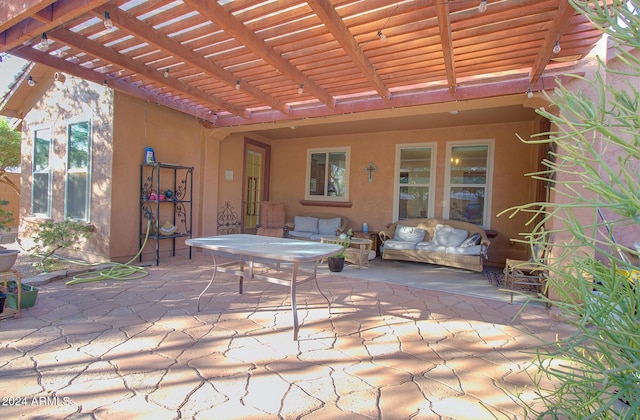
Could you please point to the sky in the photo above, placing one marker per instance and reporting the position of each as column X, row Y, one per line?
column 9, row 67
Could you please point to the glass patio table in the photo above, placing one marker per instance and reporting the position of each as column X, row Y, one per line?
column 279, row 250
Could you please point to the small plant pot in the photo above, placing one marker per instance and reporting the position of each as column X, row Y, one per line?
column 336, row 264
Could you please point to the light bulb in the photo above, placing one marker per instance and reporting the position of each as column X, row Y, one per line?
column 482, row 7
column 556, row 48
column 382, row 36
column 166, row 73
column 529, row 93
column 300, row 88
column 107, row 21
column 237, row 84
column 44, row 42
column 30, row 81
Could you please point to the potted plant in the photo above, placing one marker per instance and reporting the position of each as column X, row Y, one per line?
column 336, row 262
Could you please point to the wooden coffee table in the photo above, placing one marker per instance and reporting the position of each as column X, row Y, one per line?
column 358, row 251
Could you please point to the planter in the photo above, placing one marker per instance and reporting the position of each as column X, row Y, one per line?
column 336, row 264
column 27, row 299
column 7, row 259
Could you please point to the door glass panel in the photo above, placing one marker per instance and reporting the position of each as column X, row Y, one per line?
column 253, row 188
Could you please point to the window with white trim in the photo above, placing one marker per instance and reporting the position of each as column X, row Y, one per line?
column 41, row 173
column 468, row 181
column 415, row 181
column 327, row 174
column 78, row 179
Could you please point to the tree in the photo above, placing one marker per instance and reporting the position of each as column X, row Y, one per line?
column 596, row 371
column 10, row 156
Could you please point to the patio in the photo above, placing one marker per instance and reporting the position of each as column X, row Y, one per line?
column 138, row 348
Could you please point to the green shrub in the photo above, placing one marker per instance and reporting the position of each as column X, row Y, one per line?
column 6, row 217
column 52, row 237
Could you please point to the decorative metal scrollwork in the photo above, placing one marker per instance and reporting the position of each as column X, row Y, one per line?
column 228, row 221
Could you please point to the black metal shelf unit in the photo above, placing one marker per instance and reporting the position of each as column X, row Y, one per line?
column 166, row 195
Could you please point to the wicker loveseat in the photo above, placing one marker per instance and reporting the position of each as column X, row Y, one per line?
column 450, row 243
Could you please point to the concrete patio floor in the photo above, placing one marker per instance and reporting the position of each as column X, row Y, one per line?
column 139, row 349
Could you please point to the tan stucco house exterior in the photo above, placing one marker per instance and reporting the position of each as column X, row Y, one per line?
column 121, row 127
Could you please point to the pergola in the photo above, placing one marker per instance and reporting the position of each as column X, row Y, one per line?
column 247, row 62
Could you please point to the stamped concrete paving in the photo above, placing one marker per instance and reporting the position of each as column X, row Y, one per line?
column 139, row 349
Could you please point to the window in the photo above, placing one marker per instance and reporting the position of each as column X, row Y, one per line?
column 78, row 182
column 41, row 168
column 328, row 174
column 414, row 181
column 468, row 182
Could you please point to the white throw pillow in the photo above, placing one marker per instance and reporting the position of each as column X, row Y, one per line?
column 449, row 236
column 329, row 226
column 305, row 224
column 408, row 234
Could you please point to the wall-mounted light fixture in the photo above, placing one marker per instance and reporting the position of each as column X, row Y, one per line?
column 107, row 21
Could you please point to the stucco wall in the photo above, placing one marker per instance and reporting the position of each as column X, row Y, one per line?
column 73, row 100
column 373, row 202
column 176, row 138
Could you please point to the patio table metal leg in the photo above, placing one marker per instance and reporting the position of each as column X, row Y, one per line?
column 294, row 308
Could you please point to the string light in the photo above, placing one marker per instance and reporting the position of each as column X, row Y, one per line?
column 529, row 93
column 31, row 82
column 166, row 73
column 482, row 7
column 382, row 36
column 300, row 88
column 44, row 42
column 556, row 48
column 107, row 20
column 237, row 84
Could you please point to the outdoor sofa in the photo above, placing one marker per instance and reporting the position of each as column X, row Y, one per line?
column 312, row 227
column 449, row 243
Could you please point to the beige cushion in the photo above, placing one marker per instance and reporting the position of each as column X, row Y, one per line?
column 408, row 234
column 305, row 224
column 328, row 226
column 449, row 236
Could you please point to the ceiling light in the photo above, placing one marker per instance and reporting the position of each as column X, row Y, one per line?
column 482, row 7
column 529, row 93
column 166, row 73
column 30, row 81
column 237, row 84
column 107, row 21
column 300, row 88
column 44, row 42
column 556, row 48
column 382, row 36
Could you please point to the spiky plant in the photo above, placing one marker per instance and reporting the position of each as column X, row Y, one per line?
column 596, row 372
